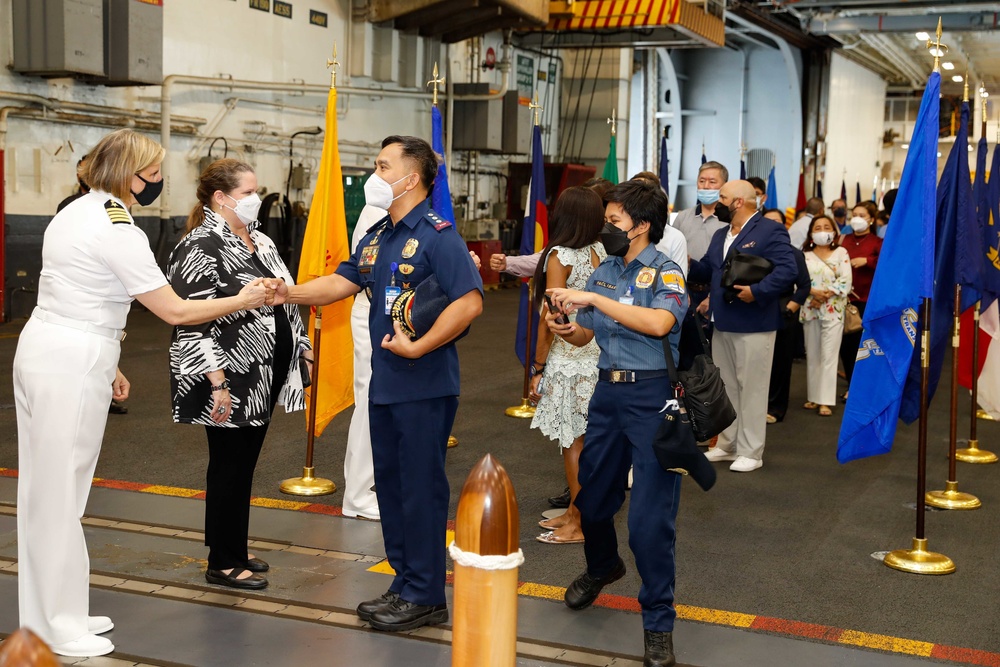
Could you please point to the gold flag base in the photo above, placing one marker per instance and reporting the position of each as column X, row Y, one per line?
column 982, row 414
column 452, row 441
column 307, row 485
column 972, row 454
column 952, row 499
column 918, row 560
column 524, row 411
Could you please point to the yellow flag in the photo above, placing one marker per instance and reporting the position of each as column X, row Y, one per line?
column 324, row 247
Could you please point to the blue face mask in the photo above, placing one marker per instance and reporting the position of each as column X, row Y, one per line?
column 707, row 196
column 880, row 231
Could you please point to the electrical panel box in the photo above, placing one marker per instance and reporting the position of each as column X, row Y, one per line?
column 478, row 125
column 59, row 37
column 133, row 38
column 516, row 125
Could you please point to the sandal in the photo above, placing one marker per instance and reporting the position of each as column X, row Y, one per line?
column 551, row 538
column 809, row 405
column 824, row 411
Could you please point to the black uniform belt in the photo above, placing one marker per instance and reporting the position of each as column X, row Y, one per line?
column 629, row 376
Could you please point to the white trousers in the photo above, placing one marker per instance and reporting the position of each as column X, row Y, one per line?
column 62, row 389
column 744, row 362
column 359, row 471
column 822, row 355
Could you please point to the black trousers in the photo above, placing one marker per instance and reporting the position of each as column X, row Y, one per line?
column 849, row 345
column 781, row 370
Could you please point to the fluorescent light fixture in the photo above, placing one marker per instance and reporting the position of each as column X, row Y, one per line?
column 948, row 65
column 905, row 146
column 939, row 153
column 923, row 36
column 936, row 52
column 957, row 78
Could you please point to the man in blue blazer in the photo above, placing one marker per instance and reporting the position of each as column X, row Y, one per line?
column 745, row 322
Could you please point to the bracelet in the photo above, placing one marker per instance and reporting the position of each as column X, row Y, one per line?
column 220, row 387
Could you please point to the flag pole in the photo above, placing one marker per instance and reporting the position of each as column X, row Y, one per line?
column 526, row 410
column 308, row 485
column 919, row 560
column 951, row 498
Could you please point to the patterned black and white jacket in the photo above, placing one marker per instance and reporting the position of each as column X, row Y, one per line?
column 212, row 262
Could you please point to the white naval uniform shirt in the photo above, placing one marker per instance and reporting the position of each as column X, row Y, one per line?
column 92, row 268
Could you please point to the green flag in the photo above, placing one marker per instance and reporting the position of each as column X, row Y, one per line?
column 611, row 164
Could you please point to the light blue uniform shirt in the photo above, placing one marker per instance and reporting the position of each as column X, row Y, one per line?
column 656, row 282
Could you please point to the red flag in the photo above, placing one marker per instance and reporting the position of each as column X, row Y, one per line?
column 800, row 200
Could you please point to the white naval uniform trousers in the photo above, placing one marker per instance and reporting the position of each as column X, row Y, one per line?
column 62, row 389
column 359, row 470
column 744, row 362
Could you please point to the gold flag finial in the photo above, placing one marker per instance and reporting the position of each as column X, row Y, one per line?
column 332, row 64
column 613, row 122
column 435, row 82
column 536, row 107
column 936, row 48
column 965, row 89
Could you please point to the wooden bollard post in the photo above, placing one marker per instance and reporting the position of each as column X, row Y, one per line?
column 26, row 649
column 486, row 555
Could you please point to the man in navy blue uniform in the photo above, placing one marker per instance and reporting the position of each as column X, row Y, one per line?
column 415, row 383
column 746, row 319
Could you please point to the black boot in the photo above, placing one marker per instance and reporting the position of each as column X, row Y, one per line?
column 659, row 649
column 561, row 501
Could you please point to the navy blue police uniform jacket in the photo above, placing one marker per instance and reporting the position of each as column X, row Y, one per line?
column 759, row 236
column 421, row 244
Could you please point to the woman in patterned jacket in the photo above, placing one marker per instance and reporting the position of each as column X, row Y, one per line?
column 229, row 374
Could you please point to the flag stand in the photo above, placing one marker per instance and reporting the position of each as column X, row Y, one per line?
column 972, row 453
column 918, row 560
column 951, row 498
column 307, row 485
column 526, row 410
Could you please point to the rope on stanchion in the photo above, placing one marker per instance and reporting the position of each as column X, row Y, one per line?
column 487, row 557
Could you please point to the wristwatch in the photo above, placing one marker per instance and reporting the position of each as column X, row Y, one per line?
column 220, row 387
column 537, row 368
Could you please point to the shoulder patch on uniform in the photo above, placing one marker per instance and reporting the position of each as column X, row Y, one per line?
column 673, row 280
column 117, row 213
column 436, row 220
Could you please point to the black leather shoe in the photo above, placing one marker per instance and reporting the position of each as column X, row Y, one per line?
column 561, row 501
column 253, row 582
column 257, row 565
column 369, row 607
column 659, row 649
column 401, row 615
column 585, row 588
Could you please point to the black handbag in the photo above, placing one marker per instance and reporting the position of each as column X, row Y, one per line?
column 742, row 268
column 675, row 447
column 705, row 396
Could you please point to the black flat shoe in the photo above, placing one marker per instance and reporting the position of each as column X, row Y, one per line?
column 561, row 501
column 220, row 578
column 585, row 588
column 659, row 649
column 257, row 565
column 400, row 616
column 369, row 607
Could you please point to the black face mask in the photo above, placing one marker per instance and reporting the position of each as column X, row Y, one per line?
column 149, row 193
column 616, row 241
column 839, row 212
column 723, row 213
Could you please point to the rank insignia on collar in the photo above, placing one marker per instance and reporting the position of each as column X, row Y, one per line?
column 406, row 269
column 117, row 213
column 410, row 249
column 645, row 278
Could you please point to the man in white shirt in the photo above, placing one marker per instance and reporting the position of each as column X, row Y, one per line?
column 799, row 230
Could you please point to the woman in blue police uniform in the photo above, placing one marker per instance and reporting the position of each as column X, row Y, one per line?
column 414, row 388
column 633, row 299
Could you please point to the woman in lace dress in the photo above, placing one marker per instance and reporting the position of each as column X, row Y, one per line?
column 565, row 375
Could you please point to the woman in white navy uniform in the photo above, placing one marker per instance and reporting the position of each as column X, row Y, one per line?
column 95, row 261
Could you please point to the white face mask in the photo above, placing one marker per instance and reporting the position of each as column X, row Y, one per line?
column 246, row 209
column 378, row 192
column 822, row 238
column 760, row 202
column 859, row 224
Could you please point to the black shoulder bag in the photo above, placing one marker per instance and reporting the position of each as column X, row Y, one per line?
column 704, row 391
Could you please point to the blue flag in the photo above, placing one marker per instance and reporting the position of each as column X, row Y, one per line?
column 441, row 196
column 857, row 193
column 534, row 236
column 956, row 222
column 904, row 278
column 772, row 190
column 664, row 166
column 819, row 189
column 743, row 169
column 991, row 235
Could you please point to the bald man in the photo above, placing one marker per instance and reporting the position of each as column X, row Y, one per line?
column 746, row 318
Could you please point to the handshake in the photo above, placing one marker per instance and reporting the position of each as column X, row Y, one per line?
column 264, row 292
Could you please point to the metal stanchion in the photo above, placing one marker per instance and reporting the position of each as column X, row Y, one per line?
column 972, row 453
column 526, row 410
